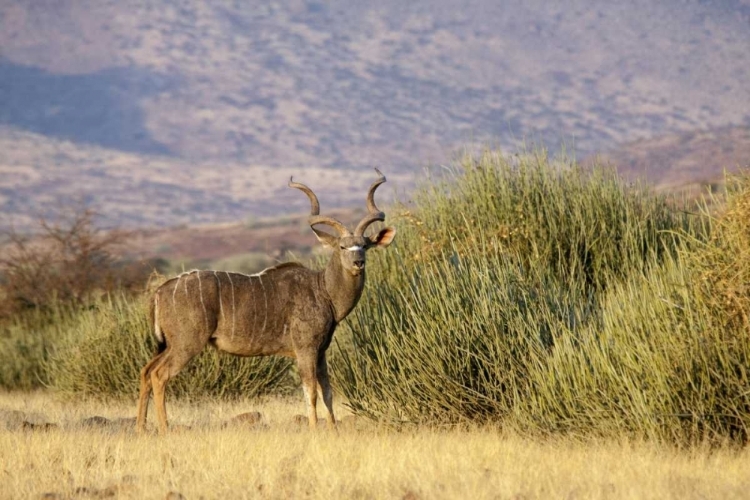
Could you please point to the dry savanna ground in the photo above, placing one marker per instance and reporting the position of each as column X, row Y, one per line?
column 278, row 458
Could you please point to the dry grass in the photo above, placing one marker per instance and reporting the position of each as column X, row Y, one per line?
column 283, row 460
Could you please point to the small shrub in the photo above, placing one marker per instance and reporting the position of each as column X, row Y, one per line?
column 25, row 342
column 69, row 262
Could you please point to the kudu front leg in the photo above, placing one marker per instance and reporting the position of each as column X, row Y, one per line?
column 308, row 373
column 326, row 392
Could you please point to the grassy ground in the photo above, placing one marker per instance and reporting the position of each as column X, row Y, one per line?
column 280, row 459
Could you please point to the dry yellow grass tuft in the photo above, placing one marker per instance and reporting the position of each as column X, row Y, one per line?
column 282, row 460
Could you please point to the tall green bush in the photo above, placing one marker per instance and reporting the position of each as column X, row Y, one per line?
column 552, row 299
column 658, row 362
column 583, row 225
column 456, row 343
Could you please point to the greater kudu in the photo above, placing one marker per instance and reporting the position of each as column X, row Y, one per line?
column 286, row 310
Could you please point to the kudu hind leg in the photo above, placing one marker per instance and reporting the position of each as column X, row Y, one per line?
column 168, row 367
column 145, row 392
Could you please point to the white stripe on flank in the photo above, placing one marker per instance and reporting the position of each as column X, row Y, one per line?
column 265, row 299
column 221, row 306
column 174, row 291
column 200, row 290
column 233, row 304
column 177, row 285
column 157, row 329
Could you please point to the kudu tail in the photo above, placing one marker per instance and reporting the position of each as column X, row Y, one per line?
column 161, row 342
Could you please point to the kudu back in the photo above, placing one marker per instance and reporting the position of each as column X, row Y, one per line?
column 286, row 310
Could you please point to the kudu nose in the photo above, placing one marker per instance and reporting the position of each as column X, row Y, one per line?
column 359, row 264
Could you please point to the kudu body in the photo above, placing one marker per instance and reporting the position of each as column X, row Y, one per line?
column 286, row 310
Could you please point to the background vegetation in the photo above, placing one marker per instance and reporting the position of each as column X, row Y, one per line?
column 522, row 290
column 73, row 317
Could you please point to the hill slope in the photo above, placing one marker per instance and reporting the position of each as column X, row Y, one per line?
column 231, row 86
column 687, row 160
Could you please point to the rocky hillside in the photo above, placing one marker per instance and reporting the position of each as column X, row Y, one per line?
column 170, row 112
column 693, row 160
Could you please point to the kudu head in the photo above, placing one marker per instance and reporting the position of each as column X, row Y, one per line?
column 349, row 247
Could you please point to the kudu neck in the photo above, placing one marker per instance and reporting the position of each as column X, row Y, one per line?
column 343, row 288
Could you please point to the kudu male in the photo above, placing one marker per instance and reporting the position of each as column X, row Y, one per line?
column 286, row 310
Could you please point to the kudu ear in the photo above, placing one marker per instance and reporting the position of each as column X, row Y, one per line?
column 383, row 239
column 328, row 240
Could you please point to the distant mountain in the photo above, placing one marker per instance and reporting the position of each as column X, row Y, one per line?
column 182, row 107
column 138, row 190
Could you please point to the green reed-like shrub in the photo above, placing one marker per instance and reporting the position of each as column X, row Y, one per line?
column 722, row 263
column 658, row 362
column 579, row 312
column 583, row 225
column 103, row 350
column 457, row 343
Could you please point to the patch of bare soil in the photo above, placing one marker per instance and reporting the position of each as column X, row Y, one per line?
column 16, row 420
